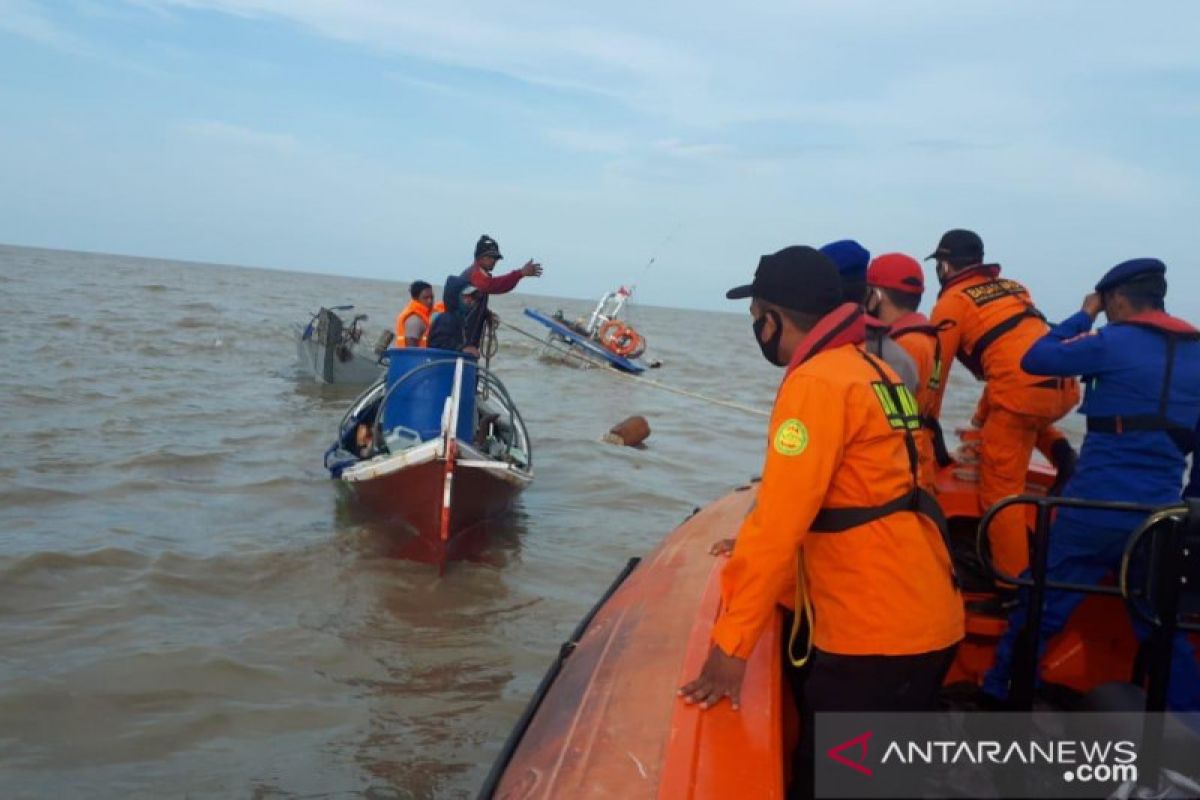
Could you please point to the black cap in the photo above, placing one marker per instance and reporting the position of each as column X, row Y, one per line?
column 797, row 277
column 959, row 246
column 486, row 246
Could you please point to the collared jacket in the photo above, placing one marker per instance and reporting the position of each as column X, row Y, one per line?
column 835, row 441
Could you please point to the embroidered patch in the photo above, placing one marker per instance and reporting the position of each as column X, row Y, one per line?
column 985, row 293
column 792, row 438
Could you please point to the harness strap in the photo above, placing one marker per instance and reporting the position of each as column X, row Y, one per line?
column 941, row 453
column 974, row 359
column 1183, row 436
column 836, row 520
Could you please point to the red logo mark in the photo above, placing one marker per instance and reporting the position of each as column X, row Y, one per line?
column 860, row 742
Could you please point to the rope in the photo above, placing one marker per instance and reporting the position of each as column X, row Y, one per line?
column 636, row 379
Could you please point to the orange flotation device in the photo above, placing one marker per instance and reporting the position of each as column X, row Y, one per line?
column 620, row 339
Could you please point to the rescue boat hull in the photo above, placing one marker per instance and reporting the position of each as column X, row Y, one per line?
column 611, row 725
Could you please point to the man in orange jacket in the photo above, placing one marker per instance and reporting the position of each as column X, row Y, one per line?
column 895, row 284
column 989, row 323
column 840, row 531
column 412, row 324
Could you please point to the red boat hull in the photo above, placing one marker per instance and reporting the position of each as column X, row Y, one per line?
column 409, row 502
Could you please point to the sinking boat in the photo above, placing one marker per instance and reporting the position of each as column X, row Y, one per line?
column 603, row 337
column 435, row 451
column 606, row 722
column 332, row 351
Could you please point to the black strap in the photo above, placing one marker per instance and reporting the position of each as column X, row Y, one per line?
column 1183, row 436
column 836, row 520
column 974, row 359
column 916, row 499
column 940, row 452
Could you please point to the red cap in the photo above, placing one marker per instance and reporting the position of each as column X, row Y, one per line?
column 896, row 271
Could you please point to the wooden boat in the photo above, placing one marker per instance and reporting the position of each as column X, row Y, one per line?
column 435, row 451
column 606, row 721
column 603, row 337
column 332, row 351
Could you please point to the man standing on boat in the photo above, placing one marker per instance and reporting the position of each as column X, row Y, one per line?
column 840, row 532
column 851, row 260
column 895, row 284
column 1142, row 372
column 412, row 324
column 988, row 323
column 479, row 274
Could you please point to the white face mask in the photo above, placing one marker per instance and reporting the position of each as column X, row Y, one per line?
column 873, row 301
column 943, row 271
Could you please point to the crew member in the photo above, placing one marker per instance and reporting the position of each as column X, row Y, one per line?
column 479, row 274
column 449, row 329
column 840, row 528
column 989, row 322
column 1142, row 372
column 851, row 260
column 412, row 324
column 895, row 284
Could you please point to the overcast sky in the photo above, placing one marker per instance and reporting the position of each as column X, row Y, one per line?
column 379, row 138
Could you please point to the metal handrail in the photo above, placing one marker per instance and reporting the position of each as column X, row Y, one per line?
column 1026, row 657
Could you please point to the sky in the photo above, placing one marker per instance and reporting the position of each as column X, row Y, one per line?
column 665, row 144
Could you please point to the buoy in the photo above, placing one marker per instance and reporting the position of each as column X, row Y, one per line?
column 629, row 432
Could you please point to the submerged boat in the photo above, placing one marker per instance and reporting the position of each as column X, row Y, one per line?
column 332, row 351
column 606, row 722
column 603, row 336
column 436, row 451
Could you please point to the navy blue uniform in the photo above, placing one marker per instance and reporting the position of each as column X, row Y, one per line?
column 1124, row 366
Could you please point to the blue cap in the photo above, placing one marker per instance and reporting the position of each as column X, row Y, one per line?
column 850, row 257
column 1130, row 270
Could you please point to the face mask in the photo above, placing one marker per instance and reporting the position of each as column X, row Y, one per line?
column 872, row 303
column 943, row 272
column 770, row 348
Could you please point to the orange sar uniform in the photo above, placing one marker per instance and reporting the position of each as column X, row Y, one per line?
column 837, row 441
column 414, row 308
column 919, row 339
column 989, row 323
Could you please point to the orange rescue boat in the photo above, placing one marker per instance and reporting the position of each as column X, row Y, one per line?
column 606, row 723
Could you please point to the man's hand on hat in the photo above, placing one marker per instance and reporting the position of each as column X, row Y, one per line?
column 532, row 269
column 1093, row 304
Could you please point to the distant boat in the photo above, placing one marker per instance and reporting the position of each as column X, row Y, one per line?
column 332, row 352
column 604, row 335
column 437, row 448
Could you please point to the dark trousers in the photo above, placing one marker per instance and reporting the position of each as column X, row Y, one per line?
column 831, row 682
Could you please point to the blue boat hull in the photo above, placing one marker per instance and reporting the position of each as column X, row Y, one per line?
column 584, row 342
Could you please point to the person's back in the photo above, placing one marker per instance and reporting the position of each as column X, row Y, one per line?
column 449, row 328
column 988, row 323
column 991, row 323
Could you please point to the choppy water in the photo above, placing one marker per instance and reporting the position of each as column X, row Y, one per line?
column 185, row 609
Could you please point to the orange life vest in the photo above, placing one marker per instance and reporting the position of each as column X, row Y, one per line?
column 414, row 307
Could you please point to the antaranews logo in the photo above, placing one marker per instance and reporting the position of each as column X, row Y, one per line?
column 859, row 742
column 907, row 754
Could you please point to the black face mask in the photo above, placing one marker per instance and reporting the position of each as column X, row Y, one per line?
column 770, row 348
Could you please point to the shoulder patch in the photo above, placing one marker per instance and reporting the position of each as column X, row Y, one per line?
column 791, row 439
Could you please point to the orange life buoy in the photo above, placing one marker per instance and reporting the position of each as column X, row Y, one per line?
column 621, row 339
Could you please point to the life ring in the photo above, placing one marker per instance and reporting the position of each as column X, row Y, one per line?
column 620, row 339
